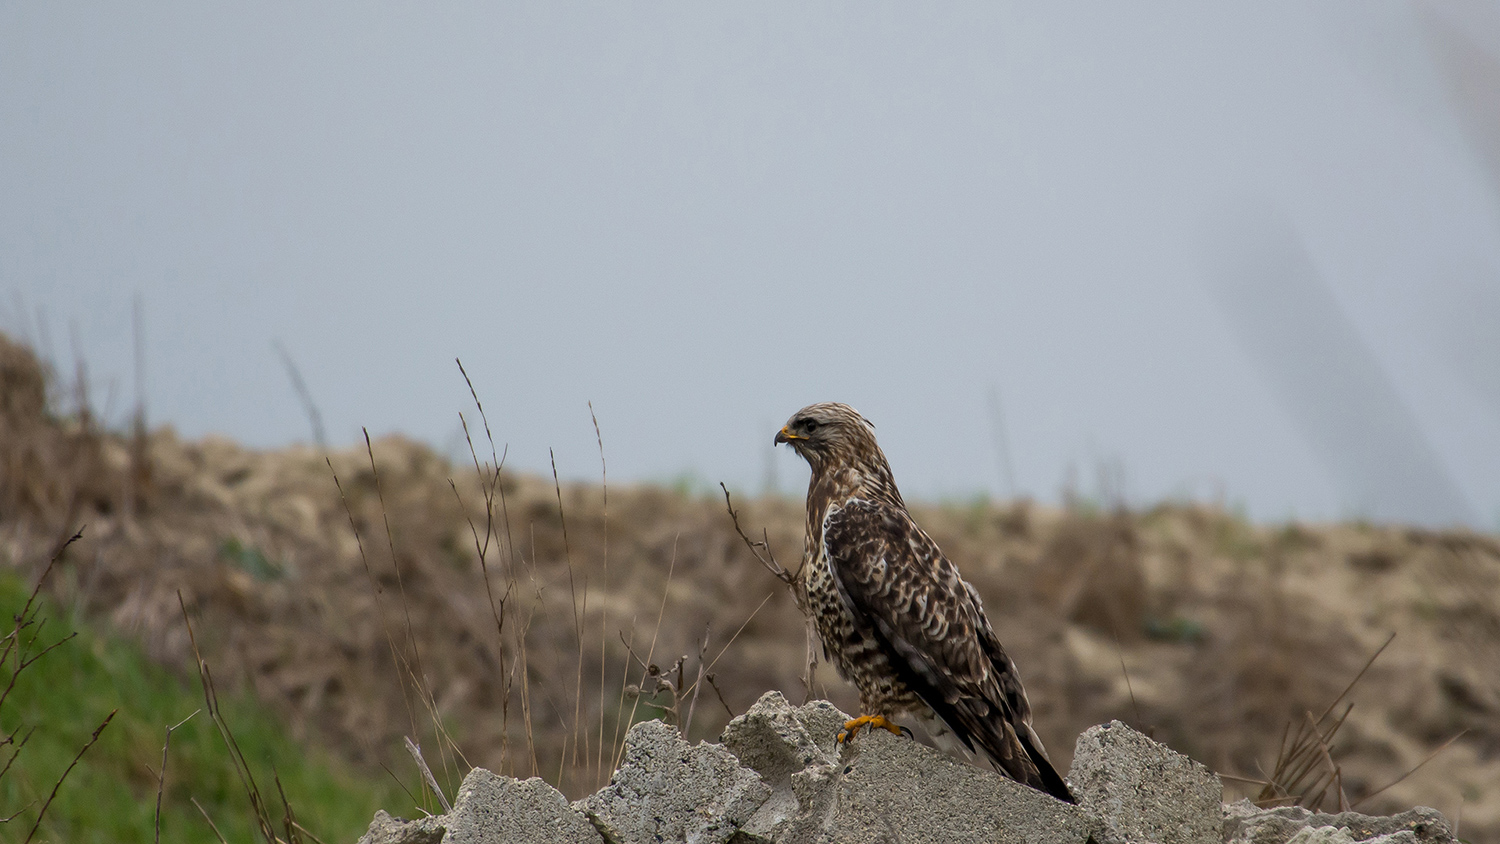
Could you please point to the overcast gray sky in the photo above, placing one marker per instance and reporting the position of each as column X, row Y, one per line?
column 1247, row 251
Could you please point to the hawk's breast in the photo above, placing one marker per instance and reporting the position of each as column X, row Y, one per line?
column 860, row 657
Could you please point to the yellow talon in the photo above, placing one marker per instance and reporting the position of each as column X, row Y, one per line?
column 871, row 721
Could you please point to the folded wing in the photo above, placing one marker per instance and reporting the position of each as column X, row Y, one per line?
column 905, row 595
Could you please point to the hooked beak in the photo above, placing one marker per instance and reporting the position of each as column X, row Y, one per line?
column 785, row 435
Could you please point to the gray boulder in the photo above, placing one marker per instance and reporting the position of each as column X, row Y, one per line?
column 1139, row 790
column 669, row 790
column 1245, row 823
column 881, row 787
column 492, row 809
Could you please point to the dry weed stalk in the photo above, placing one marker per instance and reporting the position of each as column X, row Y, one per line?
column 408, row 660
column 57, row 785
column 420, row 680
column 793, row 579
column 664, row 682
column 674, row 680
column 588, row 751
column 650, row 652
column 1305, row 770
column 210, row 821
column 578, row 615
column 491, row 489
column 795, row 583
column 578, row 726
column 416, row 754
column 161, row 775
column 604, row 610
column 258, row 806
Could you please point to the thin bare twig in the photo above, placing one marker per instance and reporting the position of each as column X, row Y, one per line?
column 579, row 613
column 288, row 817
column 242, row 770
column 418, row 672
column 397, row 657
column 305, row 831
column 1120, row 652
column 715, row 686
column 95, row 737
column 793, row 580
column 211, row 824
column 1309, row 747
column 304, row 395
column 660, row 613
column 687, row 723
column 27, row 617
column 604, row 608
column 1430, row 757
column 416, row 753
column 17, row 752
column 743, row 625
column 161, row 776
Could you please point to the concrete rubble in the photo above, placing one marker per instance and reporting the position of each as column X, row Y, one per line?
column 1140, row 790
column 1244, row 823
column 881, row 787
column 669, row 790
column 492, row 809
column 780, row 777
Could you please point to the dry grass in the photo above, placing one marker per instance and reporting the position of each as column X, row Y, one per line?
column 505, row 620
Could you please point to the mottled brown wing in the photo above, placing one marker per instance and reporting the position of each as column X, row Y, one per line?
column 905, row 594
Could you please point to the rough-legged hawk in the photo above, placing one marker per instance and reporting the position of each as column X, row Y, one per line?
column 893, row 612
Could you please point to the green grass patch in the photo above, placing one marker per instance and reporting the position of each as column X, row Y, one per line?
column 110, row 797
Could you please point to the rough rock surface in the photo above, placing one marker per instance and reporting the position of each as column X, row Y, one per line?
column 1141, row 790
column 1244, row 823
column 780, row 777
column 881, row 787
column 385, row 829
column 795, row 752
column 669, row 790
column 492, row 809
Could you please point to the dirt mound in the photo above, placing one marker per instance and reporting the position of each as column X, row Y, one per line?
column 370, row 602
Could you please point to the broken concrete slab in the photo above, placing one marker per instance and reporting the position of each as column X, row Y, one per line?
column 893, row 789
column 385, row 829
column 775, row 740
column 1245, row 823
column 1337, row 835
column 492, row 809
column 669, row 790
column 1140, row 790
column 780, row 777
column 881, row 787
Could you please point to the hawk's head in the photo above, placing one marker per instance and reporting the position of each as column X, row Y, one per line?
column 840, row 446
column 829, row 432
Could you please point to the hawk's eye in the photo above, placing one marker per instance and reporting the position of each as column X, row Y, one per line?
column 810, row 425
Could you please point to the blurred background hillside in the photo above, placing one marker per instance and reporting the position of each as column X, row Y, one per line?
column 509, row 622
column 1178, row 322
column 1244, row 253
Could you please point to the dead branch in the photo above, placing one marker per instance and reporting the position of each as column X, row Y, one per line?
column 793, row 580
